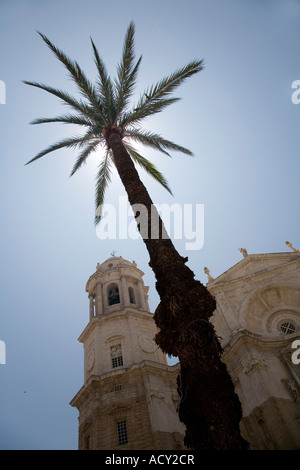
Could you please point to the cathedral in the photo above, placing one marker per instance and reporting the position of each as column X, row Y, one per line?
column 129, row 396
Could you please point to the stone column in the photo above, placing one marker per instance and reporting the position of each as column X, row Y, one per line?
column 141, row 295
column 99, row 303
column 125, row 293
column 104, row 296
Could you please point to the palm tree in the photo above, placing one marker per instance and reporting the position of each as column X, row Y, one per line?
column 208, row 405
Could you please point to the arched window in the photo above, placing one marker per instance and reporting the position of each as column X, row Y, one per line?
column 131, row 295
column 113, row 295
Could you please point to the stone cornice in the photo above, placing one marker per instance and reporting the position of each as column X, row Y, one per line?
column 269, row 341
column 126, row 312
column 223, row 281
column 93, row 381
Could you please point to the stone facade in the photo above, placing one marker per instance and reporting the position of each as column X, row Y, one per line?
column 129, row 396
column 258, row 319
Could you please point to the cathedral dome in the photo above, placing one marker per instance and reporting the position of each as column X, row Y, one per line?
column 115, row 285
column 113, row 262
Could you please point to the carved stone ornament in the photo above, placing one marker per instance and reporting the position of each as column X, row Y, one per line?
column 289, row 245
column 147, row 344
column 253, row 361
column 90, row 359
column 244, row 252
column 207, row 272
column 116, row 351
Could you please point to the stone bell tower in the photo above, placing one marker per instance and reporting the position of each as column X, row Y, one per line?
column 129, row 396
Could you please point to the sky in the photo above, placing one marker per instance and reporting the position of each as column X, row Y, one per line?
column 240, row 117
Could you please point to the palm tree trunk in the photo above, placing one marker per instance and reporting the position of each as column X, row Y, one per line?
column 209, row 406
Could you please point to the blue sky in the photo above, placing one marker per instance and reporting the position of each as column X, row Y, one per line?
column 236, row 116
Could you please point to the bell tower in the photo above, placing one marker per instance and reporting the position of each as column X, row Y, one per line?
column 129, row 396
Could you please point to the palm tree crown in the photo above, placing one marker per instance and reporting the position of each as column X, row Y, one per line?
column 105, row 109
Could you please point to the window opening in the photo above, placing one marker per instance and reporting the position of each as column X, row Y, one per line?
column 113, row 296
column 116, row 356
column 288, row 328
column 131, row 295
column 122, row 432
column 117, row 361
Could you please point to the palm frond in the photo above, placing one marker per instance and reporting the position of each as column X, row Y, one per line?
column 142, row 111
column 66, row 98
column 155, row 98
column 105, row 87
column 155, row 141
column 66, row 119
column 167, row 85
column 71, row 142
column 90, row 148
column 102, row 181
column 84, row 85
column 149, row 167
column 127, row 71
